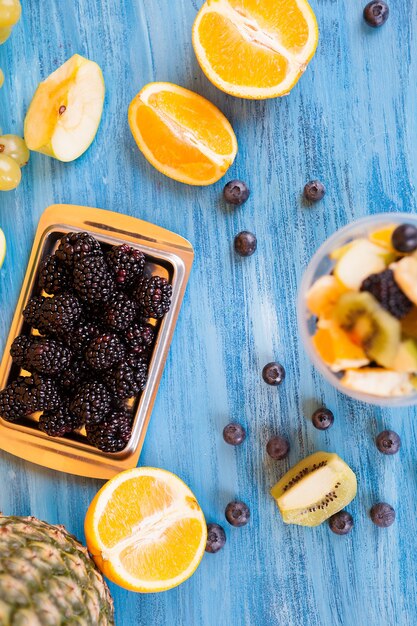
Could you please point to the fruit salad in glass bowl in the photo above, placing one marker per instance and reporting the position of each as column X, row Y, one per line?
column 357, row 309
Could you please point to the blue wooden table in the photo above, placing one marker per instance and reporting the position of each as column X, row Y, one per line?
column 352, row 122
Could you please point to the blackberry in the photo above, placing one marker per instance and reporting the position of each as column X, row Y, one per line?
column 76, row 246
column 59, row 422
column 19, row 348
column 59, row 315
column 154, row 296
column 139, row 337
column 37, row 393
column 41, row 355
column 77, row 373
column 104, row 351
column 92, row 279
column 120, row 312
column 128, row 378
column 82, row 335
column 32, row 311
column 54, row 276
column 11, row 406
column 111, row 434
column 91, row 402
column 126, row 264
column 384, row 288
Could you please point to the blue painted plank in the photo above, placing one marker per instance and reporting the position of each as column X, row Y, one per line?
column 351, row 121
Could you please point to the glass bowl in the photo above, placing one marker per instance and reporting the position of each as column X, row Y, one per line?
column 320, row 265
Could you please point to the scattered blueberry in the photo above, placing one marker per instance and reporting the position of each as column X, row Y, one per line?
column 245, row 243
column 236, row 192
column 237, row 513
column 216, row 538
column 376, row 13
column 388, row 442
column 234, row 434
column 273, row 374
column 278, row 447
column 322, row 418
column 382, row 514
column 314, row 191
column 404, row 238
column 341, row 523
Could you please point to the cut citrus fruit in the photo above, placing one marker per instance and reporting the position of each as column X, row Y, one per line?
column 382, row 237
column 336, row 349
column 182, row 134
column 254, row 49
column 145, row 530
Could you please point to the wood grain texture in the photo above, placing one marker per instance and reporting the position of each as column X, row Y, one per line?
column 352, row 122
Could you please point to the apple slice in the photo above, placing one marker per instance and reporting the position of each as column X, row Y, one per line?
column 361, row 259
column 65, row 111
column 378, row 382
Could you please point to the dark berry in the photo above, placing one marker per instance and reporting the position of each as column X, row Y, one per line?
column 314, row 191
column 237, row 513
column 384, row 289
column 278, row 447
column 92, row 280
column 32, row 311
column 388, row 442
column 59, row 422
column 19, row 348
column 236, row 192
column 139, row 337
column 41, row 355
column 104, row 351
column 75, row 246
column 376, row 13
column 59, row 315
column 91, row 402
column 382, row 514
column 273, row 373
column 245, row 243
column 154, row 296
column 216, row 538
column 54, row 276
column 322, row 419
column 75, row 375
column 119, row 312
column 82, row 335
column 35, row 393
column 404, row 238
column 128, row 378
column 126, row 264
column 11, row 405
column 111, row 434
column 234, row 434
column 341, row 523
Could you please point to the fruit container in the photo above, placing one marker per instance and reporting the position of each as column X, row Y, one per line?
column 168, row 255
column 321, row 265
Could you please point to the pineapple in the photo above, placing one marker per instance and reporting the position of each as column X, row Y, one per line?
column 47, row 578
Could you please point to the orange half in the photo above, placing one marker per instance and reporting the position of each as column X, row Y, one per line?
column 145, row 530
column 255, row 48
column 182, row 134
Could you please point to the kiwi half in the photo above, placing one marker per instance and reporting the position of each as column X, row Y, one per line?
column 369, row 325
column 317, row 487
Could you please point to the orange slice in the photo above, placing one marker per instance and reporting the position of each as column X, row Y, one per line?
column 335, row 347
column 145, row 530
column 182, row 134
column 382, row 237
column 255, row 49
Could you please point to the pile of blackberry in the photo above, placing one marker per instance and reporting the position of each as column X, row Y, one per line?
column 93, row 344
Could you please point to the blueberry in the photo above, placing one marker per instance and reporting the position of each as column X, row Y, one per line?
column 388, row 442
column 314, row 191
column 245, row 243
column 322, row 418
column 341, row 523
column 237, row 513
column 404, row 238
column 236, row 192
column 216, row 538
column 278, row 448
column 273, row 373
column 234, row 434
column 382, row 514
column 376, row 13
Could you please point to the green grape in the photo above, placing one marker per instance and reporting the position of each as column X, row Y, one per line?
column 10, row 173
column 5, row 34
column 10, row 11
column 14, row 147
column 1, row 79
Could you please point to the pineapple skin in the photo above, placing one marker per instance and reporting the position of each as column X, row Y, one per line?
column 47, row 578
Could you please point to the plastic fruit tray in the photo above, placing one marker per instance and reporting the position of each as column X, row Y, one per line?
column 167, row 255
